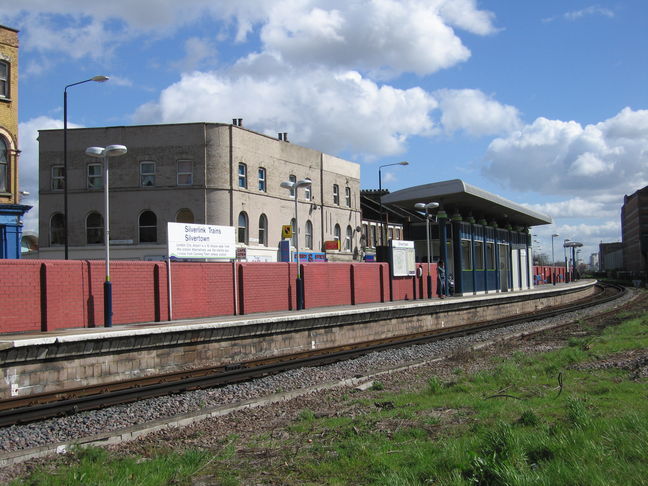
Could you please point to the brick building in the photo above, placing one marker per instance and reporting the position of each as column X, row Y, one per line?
column 634, row 231
column 206, row 173
column 11, row 211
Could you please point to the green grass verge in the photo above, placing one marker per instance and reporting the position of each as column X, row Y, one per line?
column 530, row 420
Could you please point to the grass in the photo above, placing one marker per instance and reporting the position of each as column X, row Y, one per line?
column 529, row 420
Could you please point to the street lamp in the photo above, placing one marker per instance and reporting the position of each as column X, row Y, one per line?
column 293, row 188
column 98, row 79
column 105, row 154
column 382, row 226
column 427, row 207
column 553, row 259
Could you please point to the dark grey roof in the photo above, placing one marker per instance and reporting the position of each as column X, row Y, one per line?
column 458, row 195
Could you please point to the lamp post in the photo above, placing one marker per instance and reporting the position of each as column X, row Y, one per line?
column 566, row 264
column 293, row 188
column 98, row 79
column 427, row 207
column 105, row 154
column 382, row 226
column 553, row 259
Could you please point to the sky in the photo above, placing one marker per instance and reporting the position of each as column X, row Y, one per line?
column 543, row 103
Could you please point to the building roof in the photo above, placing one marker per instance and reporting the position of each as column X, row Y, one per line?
column 457, row 195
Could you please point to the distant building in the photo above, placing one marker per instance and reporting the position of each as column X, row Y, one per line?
column 610, row 256
column 207, row 173
column 634, row 231
column 11, row 211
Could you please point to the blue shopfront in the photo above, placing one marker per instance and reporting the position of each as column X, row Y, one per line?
column 11, row 227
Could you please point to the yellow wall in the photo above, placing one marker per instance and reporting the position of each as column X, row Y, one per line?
column 9, row 110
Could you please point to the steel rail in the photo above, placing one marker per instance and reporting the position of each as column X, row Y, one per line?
column 47, row 405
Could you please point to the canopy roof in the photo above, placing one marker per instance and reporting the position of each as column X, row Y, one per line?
column 457, row 195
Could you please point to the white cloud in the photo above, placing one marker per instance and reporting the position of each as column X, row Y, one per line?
column 556, row 157
column 330, row 111
column 585, row 12
column 472, row 111
column 198, row 52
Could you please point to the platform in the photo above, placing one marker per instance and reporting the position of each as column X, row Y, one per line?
column 40, row 362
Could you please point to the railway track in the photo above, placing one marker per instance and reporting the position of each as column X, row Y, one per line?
column 42, row 406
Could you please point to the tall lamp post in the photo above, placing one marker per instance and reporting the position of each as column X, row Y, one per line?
column 105, row 154
column 427, row 207
column 293, row 188
column 382, row 225
column 553, row 259
column 98, row 79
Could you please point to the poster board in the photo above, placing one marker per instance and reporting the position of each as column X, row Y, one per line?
column 402, row 258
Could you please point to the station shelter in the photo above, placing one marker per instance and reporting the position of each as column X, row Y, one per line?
column 488, row 244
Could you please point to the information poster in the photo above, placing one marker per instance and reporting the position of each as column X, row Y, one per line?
column 403, row 258
column 202, row 241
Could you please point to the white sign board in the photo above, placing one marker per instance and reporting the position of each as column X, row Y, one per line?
column 403, row 258
column 201, row 241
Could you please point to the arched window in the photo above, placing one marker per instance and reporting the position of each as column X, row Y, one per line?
column 57, row 229
column 348, row 238
column 337, row 234
column 243, row 227
column 263, row 230
column 94, row 229
column 185, row 216
column 148, row 227
column 309, row 235
column 4, row 162
column 293, row 225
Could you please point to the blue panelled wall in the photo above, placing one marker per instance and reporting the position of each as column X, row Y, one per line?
column 11, row 229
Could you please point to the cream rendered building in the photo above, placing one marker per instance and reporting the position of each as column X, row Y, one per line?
column 204, row 173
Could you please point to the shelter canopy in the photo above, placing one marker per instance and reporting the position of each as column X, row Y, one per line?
column 457, row 196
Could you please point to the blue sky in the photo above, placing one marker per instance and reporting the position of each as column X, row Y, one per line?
column 544, row 103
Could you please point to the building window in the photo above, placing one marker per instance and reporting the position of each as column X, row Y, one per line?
column 147, row 174
column 243, row 228
column 185, row 216
column 57, row 230
column 263, row 230
column 95, row 176
column 347, row 196
column 490, row 255
column 309, row 235
column 148, row 227
column 292, row 178
column 336, row 194
column 337, row 234
column 242, row 175
column 262, row 179
column 308, row 193
column 348, row 238
column 94, row 229
column 4, row 161
column 58, row 178
column 185, row 173
column 4, row 79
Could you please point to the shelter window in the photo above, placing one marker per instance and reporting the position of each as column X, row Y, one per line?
column 479, row 255
column 490, row 255
column 148, row 227
column 58, row 178
column 466, row 255
column 95, row 176
column 147, row 174
column 94, row 229
column 185, row 173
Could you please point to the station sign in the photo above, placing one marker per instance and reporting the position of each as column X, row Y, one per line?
column 201, row 241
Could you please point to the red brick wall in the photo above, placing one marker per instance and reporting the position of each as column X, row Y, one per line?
column 202, row 289
column 20, row 296
column 326, row 284
column 370, row 282
column 267, row 287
